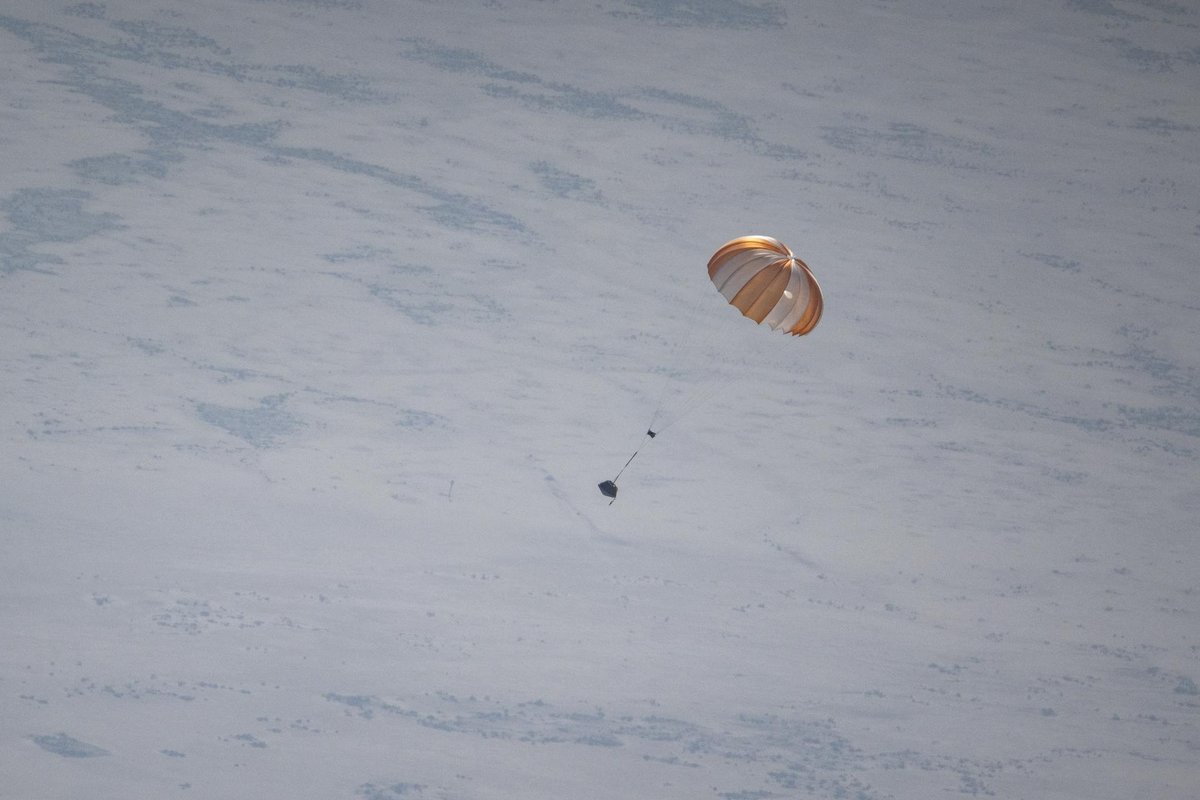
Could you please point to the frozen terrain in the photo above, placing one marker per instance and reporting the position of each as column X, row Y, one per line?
column 322, row 319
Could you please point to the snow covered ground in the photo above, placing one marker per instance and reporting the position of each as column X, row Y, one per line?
column 321, row 320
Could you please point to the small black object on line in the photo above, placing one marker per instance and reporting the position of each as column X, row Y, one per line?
column 609, row 488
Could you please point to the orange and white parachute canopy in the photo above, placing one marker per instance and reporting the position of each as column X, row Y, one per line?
column 761, row 277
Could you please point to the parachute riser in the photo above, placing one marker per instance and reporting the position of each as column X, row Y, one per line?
column 609, row 488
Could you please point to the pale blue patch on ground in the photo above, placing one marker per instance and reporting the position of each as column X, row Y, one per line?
column 261, row 426
column 67, row 746
column 39, row 216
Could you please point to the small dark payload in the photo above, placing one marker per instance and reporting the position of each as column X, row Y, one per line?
column 608, row 489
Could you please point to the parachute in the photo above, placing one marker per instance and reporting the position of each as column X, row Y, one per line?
column 764, row 280
column 761, row 277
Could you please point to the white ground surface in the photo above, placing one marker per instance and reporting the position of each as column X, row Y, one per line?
column 323, row 318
